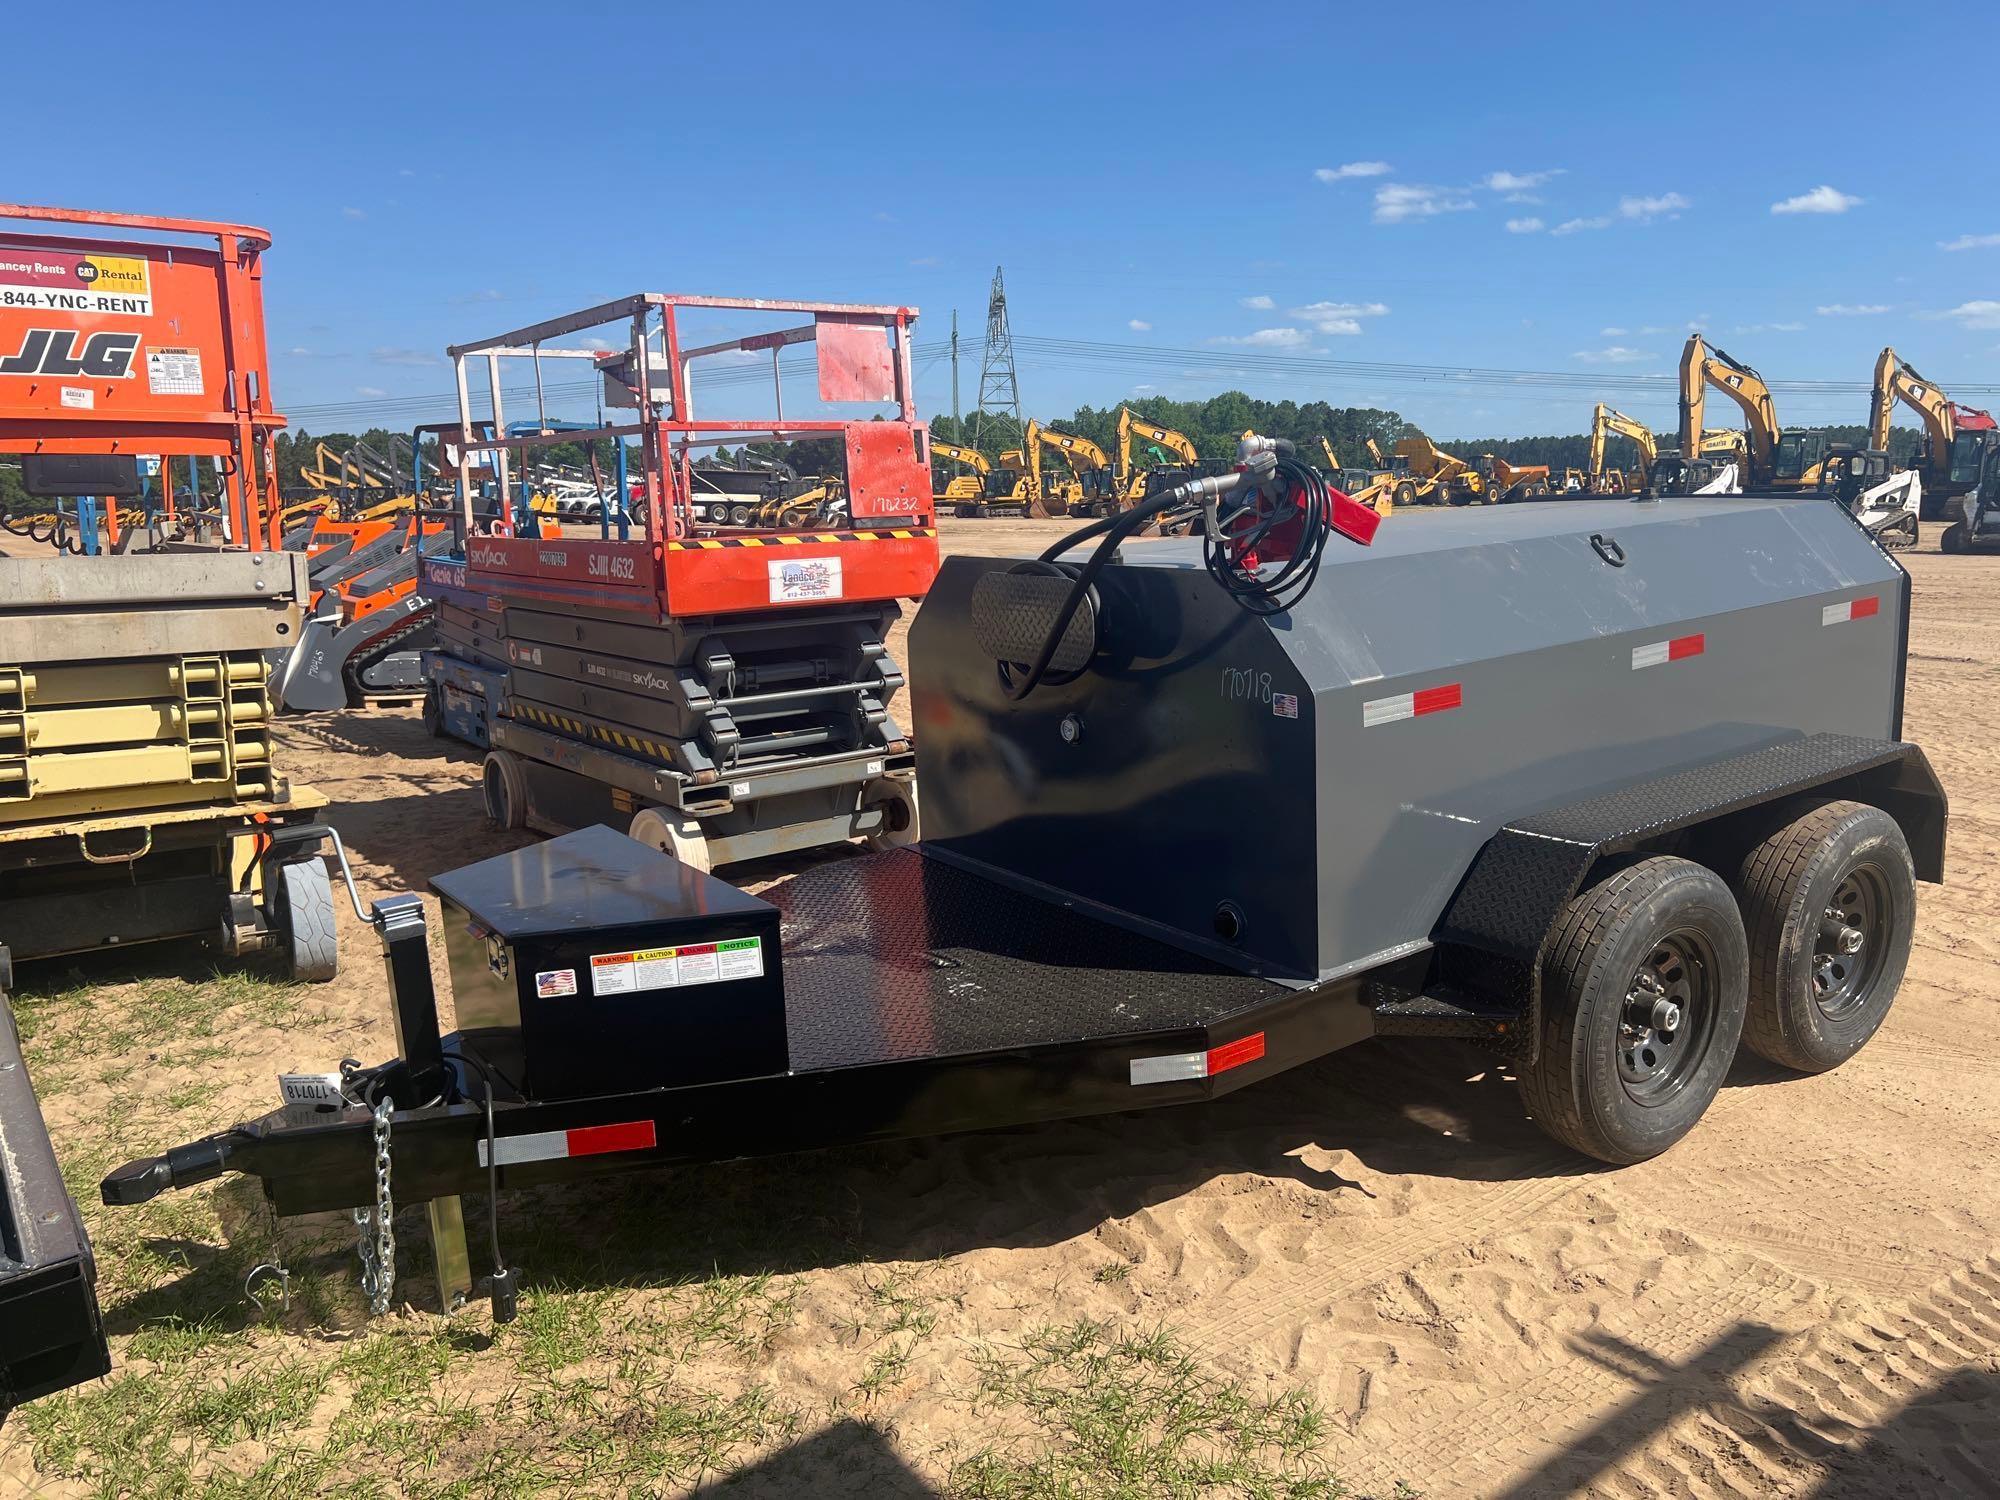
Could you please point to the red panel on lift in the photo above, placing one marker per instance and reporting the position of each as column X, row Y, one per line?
column 854, row 359
column 766, row 573
column 884, row 478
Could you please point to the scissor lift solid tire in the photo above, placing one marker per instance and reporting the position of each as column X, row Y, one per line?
column 659, row 828
column 504, row 786
column 312, row 949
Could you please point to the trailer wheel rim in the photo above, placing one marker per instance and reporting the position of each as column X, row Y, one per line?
column 1851, row 943
column 1668, row 1019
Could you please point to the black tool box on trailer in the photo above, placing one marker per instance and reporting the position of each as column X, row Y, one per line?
column 591, row 963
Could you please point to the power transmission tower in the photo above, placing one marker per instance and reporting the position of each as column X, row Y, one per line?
column 999, row 390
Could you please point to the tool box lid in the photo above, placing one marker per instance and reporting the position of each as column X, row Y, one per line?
column 593, row 879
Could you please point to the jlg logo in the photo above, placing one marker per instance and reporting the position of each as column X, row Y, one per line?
column 62, row 351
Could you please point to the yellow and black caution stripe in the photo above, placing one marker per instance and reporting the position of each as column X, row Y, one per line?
column 796, row 539
column 603, row 734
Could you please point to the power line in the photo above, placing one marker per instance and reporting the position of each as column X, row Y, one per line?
column 1182, row 363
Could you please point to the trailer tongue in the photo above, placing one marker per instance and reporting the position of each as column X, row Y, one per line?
column 1193, row 819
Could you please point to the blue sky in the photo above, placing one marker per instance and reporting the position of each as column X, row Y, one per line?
column 1561, row 187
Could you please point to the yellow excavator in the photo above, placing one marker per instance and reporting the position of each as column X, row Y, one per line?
column 1088, row 490
column 1375, row 488
column 1129, row 482
column 1604, row 422
column 1955, row 437
column 1778, row 460
column 961, row 489
column 1014, row 485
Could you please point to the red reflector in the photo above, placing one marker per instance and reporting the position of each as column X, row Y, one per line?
column 1437, row 699
column 1235, row 1054
column 595, row 1140
column 1681, row 647
column 1861, row 609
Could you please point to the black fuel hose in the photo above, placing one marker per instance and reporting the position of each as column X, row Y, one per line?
column 1224, row 551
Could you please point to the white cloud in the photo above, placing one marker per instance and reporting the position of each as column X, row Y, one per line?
column 1616, row 354
column 924, row 261
column 353, row 213
column 1646, row 209
column 1524, row 226
column 1851, row 309
column 1139, row 325
column 1612, row 333
column 369, row 390
column 1354, row 169
column 1572, row 226
column 1821, row 200
column 1397, row 201
column 1971, row 242
column 1520, row 182
column 1272, row 338
column 1339, row 317
column 1982, row 314
column 605, row 346
column 403, row 357
column 299, row 351
column 405, row 172
column 1143, row 387
column 1768, row 328
column 1256, row 304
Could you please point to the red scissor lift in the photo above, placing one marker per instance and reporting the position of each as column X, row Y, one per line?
column 725, row 690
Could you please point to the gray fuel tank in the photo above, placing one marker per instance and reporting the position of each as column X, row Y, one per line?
column 1301, row 794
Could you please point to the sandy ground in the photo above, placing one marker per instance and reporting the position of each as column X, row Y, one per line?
column 1804, row 1298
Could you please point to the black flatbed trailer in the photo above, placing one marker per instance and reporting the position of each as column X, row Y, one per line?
column 920, row 999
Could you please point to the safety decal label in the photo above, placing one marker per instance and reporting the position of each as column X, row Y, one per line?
column 1431, row 700
column 1659, row 653
column 1853, row 609
column 796, row 580
column 676, row 968
column 552, row 984
column 78, row 397
column 67, row 281
column 173, row 372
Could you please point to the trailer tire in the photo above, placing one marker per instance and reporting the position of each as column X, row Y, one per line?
column 1459, row 497
column 312, row 950
column 658, row 828
column 1814, row 1001
column 505, row 788
column 1644, row 983
column 1953, row 540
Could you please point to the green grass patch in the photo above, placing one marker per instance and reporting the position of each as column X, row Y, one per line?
column 1099, row 1412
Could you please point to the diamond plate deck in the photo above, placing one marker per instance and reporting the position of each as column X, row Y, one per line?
column 895, row 956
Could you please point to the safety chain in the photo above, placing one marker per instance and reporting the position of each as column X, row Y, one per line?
column 376, row 1228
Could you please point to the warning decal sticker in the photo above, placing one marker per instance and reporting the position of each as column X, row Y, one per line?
column 676, row 968
column 69, row 281
column 173, row 372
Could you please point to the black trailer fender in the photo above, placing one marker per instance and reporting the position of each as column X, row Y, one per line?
column 1491, row 934
column 51, row 1335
